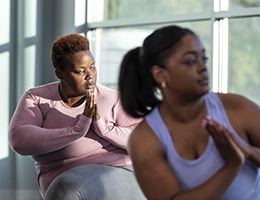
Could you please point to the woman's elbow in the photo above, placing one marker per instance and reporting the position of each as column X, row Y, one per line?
column 17, row 144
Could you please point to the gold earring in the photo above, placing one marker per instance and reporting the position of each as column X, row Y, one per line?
column 163, row 84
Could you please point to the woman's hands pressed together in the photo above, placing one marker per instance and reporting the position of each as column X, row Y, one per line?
column 231, row 150
column 91, row 109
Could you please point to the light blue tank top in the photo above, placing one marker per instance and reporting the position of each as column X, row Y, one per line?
column 192, row 173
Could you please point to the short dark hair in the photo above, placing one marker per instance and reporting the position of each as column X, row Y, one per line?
column 136, row 84
column 65, row 46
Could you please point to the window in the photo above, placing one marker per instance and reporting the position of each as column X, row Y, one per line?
column 4, row 81
column 229, row 30
column 4, row 102
column 28, row 46
column 22, row 75
column 103, row 10
column 243, row 57
column 115, row 42
column 236, row 4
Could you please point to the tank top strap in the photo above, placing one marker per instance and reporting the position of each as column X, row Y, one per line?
column 158, row 126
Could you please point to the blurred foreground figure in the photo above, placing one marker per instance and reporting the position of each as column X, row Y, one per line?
column 193, row 143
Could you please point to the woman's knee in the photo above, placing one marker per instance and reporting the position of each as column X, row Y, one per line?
column 63, row 188
column 95, row 182
column 115, row 184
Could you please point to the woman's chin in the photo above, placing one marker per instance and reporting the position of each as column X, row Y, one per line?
column 90, row 89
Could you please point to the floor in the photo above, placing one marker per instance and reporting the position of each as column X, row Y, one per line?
column 20, row 195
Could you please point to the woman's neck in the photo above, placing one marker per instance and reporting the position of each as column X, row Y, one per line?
column 71, row 101
column 183, row 112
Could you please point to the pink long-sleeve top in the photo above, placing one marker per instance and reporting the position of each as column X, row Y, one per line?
column 59, row 137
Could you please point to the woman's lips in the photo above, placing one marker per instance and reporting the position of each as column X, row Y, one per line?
column 204, row 81
column 90, row 85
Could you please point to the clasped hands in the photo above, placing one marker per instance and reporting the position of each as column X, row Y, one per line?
column 91, row 109
column 230, row 148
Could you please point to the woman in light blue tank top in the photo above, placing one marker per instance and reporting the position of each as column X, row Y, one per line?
column 193, row 143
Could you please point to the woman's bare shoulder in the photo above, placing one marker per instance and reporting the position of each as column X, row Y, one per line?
column 231, row 97
column 240, row 108
column 143, row 138
column 235, row 101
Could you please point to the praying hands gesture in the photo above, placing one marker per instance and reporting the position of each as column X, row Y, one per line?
column 231, row 150
column 91, row 109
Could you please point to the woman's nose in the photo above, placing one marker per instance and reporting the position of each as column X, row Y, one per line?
column 88, row 75
column 202, row 66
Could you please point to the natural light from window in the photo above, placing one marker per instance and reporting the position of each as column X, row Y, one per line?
column 4, row 81
column 5, row 22
column 80, row 12
column 30, row 18
column 29, row 67
column 4, row 102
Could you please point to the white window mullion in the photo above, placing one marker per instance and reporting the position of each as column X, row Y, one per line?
column 220, row 50
column 215, row 63
column 223, row 68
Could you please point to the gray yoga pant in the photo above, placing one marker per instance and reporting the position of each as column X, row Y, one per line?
column 95, row 182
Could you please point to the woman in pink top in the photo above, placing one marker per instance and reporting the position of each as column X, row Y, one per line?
column 75, row 130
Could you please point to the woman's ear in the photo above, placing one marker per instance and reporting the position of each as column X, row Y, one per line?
column 158, row 74
column 59, row 73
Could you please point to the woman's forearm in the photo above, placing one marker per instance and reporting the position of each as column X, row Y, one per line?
column 117, row 135
column 214, row 188
column 35, row 140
